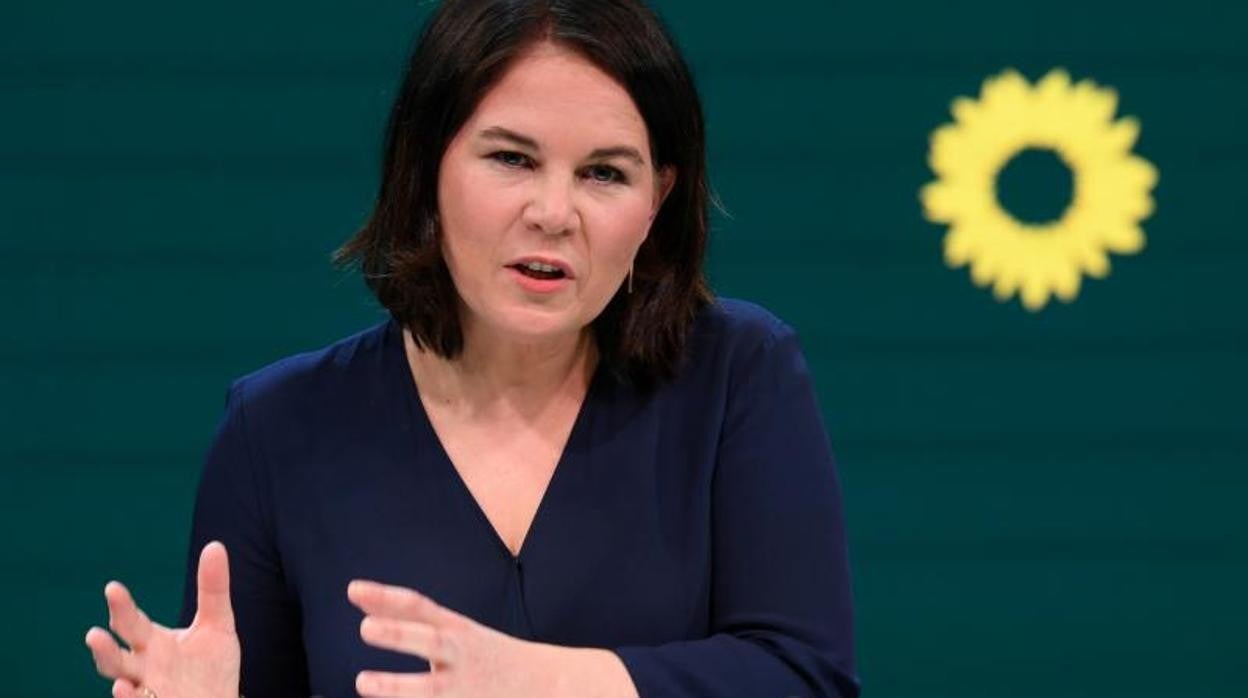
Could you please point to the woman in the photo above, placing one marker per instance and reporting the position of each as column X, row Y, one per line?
column 576, row 472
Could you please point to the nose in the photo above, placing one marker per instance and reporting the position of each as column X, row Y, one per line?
column 552, row 209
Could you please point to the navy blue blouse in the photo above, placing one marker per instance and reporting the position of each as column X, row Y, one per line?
column 695, row 530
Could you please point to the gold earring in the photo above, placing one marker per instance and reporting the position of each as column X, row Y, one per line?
column 630, row 277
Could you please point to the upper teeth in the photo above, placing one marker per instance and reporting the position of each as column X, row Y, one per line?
column 538, row 266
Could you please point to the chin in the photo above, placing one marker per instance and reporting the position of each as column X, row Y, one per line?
column 537, row 323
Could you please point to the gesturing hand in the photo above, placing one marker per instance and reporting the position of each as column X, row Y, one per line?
column 469, row 660
column 201, row 661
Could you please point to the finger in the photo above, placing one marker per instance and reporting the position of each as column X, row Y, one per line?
column 111, row 661
column 125, row 617
column 380, row 684
column 407, row 637
column 213, row 580
column 396, row 602
column 124, row 689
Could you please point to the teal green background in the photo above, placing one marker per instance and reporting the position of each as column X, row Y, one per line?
column 1046, row 504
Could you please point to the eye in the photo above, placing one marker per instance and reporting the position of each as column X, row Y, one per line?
column 510, row 158
column 605, row 174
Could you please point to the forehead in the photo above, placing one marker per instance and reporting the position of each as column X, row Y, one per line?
column 553, row 93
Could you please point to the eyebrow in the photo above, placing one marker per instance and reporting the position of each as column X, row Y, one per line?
column 498, row 133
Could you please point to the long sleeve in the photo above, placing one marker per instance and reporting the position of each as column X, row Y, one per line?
column 781, row 607
column 232, row 506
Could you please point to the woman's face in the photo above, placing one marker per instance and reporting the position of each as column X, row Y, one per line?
column 553, row 167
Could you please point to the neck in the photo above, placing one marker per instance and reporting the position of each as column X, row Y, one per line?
column 499, row 377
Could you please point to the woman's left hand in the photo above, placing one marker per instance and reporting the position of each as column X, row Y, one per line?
column 468, row 660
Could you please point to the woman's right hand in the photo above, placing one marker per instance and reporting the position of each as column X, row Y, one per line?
column 201, row 661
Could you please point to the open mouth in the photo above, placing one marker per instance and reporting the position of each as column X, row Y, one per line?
column 537, row 270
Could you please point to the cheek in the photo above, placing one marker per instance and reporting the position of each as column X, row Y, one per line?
column 472, row 224
column 627, row 229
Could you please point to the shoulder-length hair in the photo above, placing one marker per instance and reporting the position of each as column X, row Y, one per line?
column 463, row 51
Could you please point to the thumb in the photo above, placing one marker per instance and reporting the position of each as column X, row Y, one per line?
column 214, row 587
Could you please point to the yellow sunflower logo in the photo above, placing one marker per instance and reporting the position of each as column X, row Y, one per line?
column 1110, row 187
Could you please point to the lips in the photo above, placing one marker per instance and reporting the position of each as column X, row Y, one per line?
column 563, row 269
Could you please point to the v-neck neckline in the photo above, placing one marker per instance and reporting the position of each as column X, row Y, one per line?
column 425, row 429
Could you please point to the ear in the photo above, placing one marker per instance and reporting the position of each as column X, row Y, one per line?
column 663, row 184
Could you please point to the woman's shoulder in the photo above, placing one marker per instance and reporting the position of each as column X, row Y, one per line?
column 328, row 371
column 728, row 337
column 737, row 325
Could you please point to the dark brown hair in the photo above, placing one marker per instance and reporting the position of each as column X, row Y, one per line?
column 464, row 49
